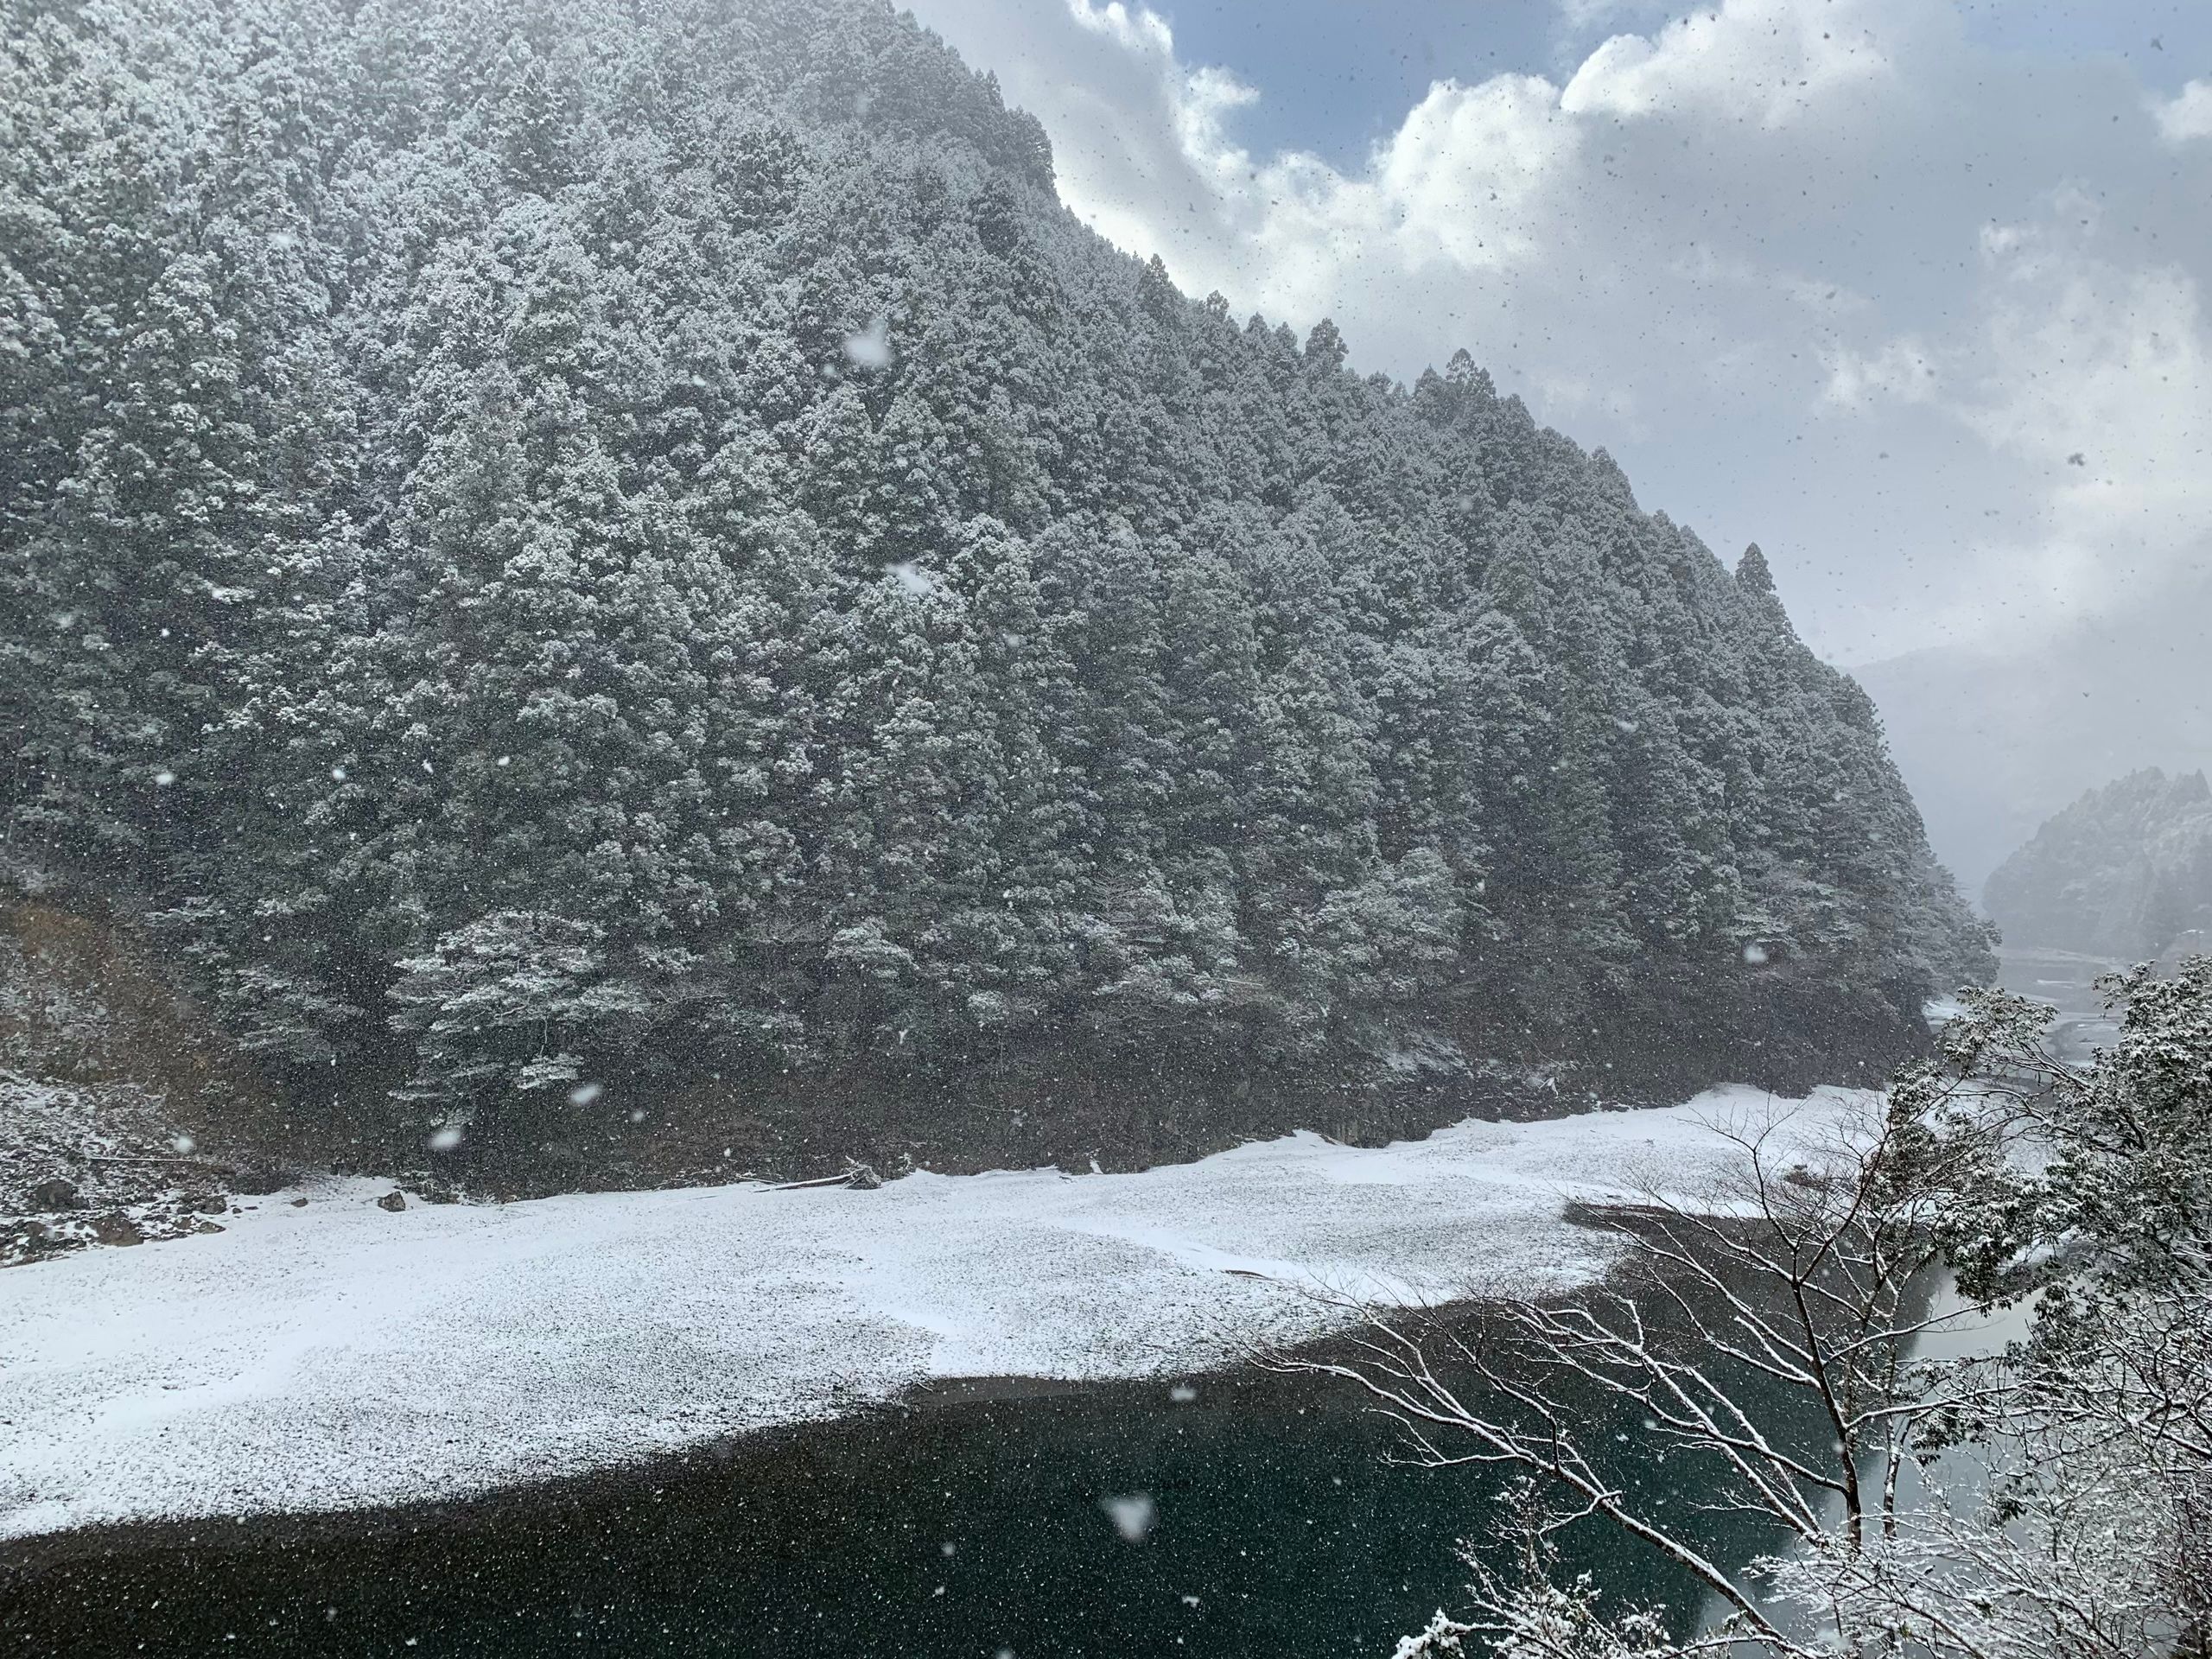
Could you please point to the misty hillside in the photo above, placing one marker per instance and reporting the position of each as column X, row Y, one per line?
column 1994, row 739
column 581, row 541
column 2123, row 873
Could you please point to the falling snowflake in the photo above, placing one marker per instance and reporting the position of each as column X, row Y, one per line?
column 1132, row 1514
column 447, row 1138
column 585, row 1093
column 871, row 347
column 913, row 580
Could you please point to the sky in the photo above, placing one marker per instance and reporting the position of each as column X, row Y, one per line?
column 1910, row 292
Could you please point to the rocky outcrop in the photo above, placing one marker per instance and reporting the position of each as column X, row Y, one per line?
column 124, row 1116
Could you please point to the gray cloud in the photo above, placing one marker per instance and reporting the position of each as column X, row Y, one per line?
column 1832, row 277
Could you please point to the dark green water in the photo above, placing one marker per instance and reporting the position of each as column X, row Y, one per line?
column 969, row 1527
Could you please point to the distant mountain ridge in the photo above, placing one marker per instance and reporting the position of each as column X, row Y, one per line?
column 1995, row 737
column 577, row 544
column 2123, row 873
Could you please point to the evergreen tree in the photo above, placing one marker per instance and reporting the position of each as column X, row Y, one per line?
column 580, row 539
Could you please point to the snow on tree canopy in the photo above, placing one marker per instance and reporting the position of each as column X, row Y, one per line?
column 508, row 602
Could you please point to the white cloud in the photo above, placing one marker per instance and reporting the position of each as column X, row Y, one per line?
column 1829, row 276
column 1142, row 31
column 2095, row 379
column 1767, row 60
column 2186, row 115
column 1903, row 370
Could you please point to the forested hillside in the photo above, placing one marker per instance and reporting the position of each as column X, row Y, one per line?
column 2123, row 873
column 576, row 540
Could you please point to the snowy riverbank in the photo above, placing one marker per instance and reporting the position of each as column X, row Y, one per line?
column 331, row 1354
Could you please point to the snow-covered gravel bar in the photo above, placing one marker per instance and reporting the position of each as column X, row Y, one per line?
column 333, row 1354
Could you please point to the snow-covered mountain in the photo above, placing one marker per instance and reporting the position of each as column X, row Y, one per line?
column 581, row 542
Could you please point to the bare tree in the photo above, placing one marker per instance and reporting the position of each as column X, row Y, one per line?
column 1794, row 1293
column 2053, row 1499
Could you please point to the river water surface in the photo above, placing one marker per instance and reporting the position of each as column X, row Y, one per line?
column 988, row 1520
column 982, row 1521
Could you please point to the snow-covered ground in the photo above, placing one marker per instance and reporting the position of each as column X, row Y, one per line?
column 331, row 1354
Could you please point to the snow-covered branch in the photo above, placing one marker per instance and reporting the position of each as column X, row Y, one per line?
column 1772, row 1336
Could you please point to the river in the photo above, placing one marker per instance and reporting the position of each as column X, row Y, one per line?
column 2067, row 981
column 979, row 1520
